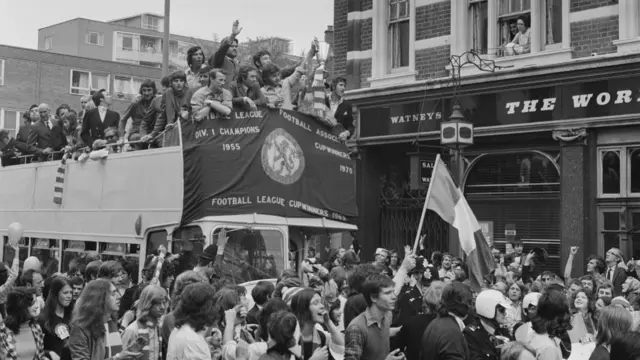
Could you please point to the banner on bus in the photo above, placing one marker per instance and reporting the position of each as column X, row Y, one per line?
column 268, row 161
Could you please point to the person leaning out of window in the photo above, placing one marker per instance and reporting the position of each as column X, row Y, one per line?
column 521, row 43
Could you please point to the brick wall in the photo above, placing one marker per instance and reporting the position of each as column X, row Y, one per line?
column 367, row 5
column 595, row 35
column 432, row 62
column 34, row 77
column 340, row 39
column 366, row 34
column 433, row 20
column 365, row 72
column 579, row 5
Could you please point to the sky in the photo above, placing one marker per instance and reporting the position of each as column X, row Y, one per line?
column 196, row 18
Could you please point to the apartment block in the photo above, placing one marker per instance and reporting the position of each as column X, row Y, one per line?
column 30, row 76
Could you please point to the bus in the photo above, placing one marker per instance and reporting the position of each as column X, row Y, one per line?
column 128, row 204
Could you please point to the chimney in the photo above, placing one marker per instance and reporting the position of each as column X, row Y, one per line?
column 328, row 35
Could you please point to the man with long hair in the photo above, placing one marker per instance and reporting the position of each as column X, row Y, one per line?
column 246, row 89
column 138, row 109
column 226, row 56
column 94, row 333
column 151, row 307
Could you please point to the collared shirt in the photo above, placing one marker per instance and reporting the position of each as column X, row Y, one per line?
column 193, row 79
column 367, row 337
column 458, row 320
column 103, row 112
column 610, row 272
column 334, row 104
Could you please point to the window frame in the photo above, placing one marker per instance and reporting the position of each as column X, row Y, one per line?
column 3, row 118
column 472, row 26
column 2, row 63
column 606, row 209
column 71, row 87
column 48, row 39
column 382, row 72
column 625, row 173
column 100, row 38
column 396, row 23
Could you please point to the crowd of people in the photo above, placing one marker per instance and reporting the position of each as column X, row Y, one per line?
column 399, row 306
column 205, row 91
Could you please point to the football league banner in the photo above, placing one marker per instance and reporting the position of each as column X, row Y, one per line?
column 268, row 161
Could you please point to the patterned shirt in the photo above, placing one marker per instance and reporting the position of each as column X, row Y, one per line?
column 8, row 343
column 367, row 337
column 153, row 349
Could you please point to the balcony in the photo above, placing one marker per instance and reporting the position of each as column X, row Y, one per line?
column 149, row 55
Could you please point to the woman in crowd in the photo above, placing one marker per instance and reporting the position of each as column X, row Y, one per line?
column 394, row 262
column 613, row 322
column 151, row 307
column 515, row 294
column 21, row 336
column 94, row 334
column 308, row 307
column 260, row 347
column 56, row 316
column 195, row 313
column 282, row 337
column 182, row 281
column 72, row 130
column 582, row 323
column 551, row 321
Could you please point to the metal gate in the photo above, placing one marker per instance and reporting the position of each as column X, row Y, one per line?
column 399, row 224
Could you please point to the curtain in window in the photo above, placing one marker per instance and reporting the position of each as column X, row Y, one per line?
column 100, row 81
column 550, row 22
column 135, row 85
column 80, row 80
column 122, row 85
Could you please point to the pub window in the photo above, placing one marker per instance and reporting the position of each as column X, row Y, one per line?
column 9, row 253
column 515, row 173
column 48, row 251
column 609, row 229
column 554, row 22
column 77, row 250
column 479, row 25
column 635, row 233
column 610, row 175
column 634, row 170
column 398, row 23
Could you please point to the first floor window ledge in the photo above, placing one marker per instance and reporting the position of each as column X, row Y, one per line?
column 393, row 79
column 542, row 58
column 627, row 45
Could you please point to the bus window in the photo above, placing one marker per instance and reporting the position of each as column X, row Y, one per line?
column 47, row 250
column 252, row 254
column 189, row 242
column 23, row 245
column 154, row 240
column 76, row 250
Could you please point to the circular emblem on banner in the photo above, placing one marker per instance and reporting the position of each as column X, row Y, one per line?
column 62, row 331
column 282, row 157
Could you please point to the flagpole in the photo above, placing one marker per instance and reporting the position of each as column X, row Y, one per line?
column 424, row 207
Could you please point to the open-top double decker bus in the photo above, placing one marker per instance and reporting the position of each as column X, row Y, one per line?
column 130, row 203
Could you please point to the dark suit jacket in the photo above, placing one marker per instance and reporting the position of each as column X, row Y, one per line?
column 170, row 108
column 22, row 140
column 344, row 116
column 252, row 315
column 41, row 137
column 619, row 277
column 93, row 128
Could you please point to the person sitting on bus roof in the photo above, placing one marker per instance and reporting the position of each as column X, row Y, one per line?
column 212, row 99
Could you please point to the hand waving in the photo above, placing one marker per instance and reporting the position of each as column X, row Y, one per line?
column 236, row 29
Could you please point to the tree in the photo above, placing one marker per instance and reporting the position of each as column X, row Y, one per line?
column 279, row 48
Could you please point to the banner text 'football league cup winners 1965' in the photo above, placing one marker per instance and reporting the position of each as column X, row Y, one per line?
column 268, row 161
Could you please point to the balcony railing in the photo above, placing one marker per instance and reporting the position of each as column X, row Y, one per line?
column 151, row 27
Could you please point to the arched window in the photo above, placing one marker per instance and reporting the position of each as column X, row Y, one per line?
column 518, row 173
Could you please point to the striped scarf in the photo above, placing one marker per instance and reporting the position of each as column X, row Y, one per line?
column 58, row 189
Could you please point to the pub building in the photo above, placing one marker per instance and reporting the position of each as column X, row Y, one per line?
column 555, row 159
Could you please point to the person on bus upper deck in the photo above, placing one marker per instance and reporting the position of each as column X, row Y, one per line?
column 138, row 109
column 196, row 61
column 225, row 57
column 47, row 134
column 212, row 98
column 97, row 120
column 204, row 80
column 171, row 103
column 341, row 108
column 83, row 103
column 246, row 89
column 22, row 137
